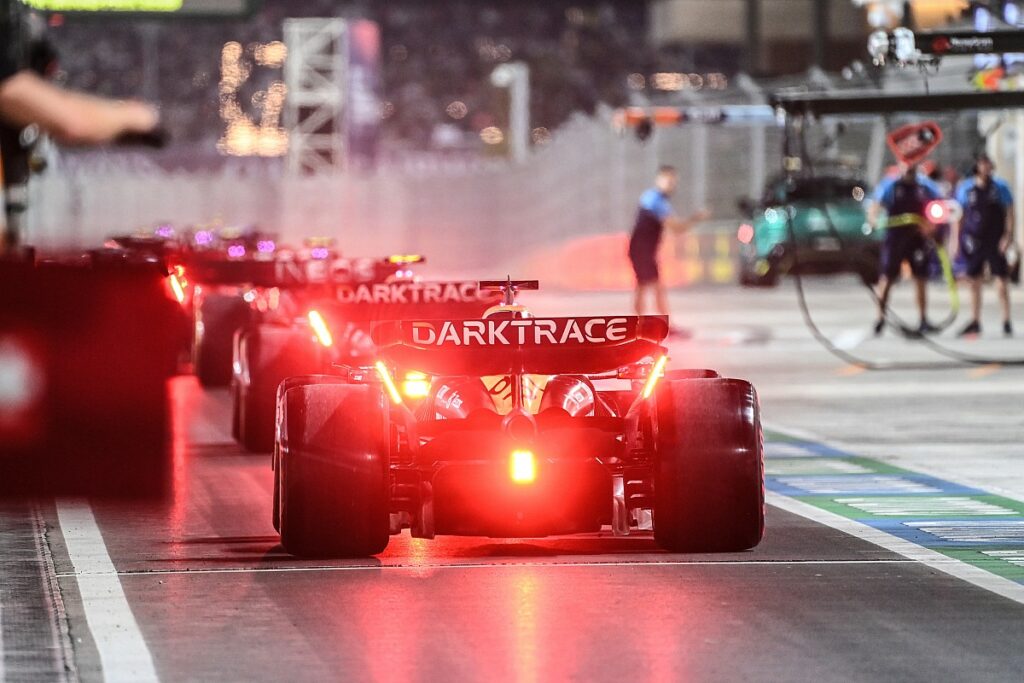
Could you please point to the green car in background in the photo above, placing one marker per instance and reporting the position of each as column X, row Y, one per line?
column 829, row 231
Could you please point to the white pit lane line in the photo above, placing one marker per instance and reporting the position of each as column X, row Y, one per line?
column 930, row 558
column 123, row 653
column 125, row 656
column 3, row 675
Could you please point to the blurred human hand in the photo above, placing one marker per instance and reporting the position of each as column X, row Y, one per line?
column 139, row 117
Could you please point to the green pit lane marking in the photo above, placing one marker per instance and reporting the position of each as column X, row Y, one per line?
column 975, row 527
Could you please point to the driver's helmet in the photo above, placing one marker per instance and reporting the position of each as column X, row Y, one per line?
column 499, row 386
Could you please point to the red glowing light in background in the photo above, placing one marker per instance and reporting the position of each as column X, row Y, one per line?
column 937, row 212
column 745, row 233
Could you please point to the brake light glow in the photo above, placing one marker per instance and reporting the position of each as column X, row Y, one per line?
column 522, row 467
column 745, row 233
column 323, row 335
column 265, row 246
column 176, row 288
column 389, row 384
column 656, row 372
column 319, row 253
column 416, row 385
column 236, row 251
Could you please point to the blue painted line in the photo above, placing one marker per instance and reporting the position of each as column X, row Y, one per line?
column 797, row 449
column 963, row 522
column 1003, row 533
column 866, row 485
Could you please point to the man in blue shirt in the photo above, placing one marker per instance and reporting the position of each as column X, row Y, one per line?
column 985, row 233
column 654, row 214
column 904, row 199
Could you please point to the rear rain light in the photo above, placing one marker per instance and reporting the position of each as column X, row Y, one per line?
column 522, row 467
column 416, row 385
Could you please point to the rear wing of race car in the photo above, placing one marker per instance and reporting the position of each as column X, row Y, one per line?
column 515, row 285
column 407, row 299
column 547, row 346
column 221, row 269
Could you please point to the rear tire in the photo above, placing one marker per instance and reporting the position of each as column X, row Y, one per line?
column 271, row 355
column 333, row 471
column 691, row 373
column 220, row 315
column 709, row 480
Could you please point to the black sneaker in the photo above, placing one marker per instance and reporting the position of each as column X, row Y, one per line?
column 1007, row 329
column 973, row 327
column 879, row 326
column 926, row 328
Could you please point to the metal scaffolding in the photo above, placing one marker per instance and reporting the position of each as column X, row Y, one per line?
column 315, row 74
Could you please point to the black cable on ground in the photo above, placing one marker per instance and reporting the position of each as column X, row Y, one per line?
column 959, row 359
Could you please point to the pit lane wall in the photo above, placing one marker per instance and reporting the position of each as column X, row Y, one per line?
column 561, row 216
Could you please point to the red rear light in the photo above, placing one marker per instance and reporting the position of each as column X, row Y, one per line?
column 937, row 212
column 416, row 385
column 522, row 467
column 745, row 233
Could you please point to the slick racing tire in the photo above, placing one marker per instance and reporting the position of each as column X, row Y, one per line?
column 709, row 472
column 333, row 470
column 270, row 355
column 220, row 315
column 275, row 458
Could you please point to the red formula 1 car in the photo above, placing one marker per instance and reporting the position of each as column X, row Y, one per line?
column 209, row 274
column 516, row 426
column 327, row 321
column 226, row 272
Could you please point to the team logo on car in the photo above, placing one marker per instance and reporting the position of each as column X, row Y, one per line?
column 522, row 332
column 412, row 293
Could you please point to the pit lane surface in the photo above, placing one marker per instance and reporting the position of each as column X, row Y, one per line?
column 210, row 596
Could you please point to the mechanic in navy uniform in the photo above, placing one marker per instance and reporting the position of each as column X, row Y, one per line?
column 905, row 195
column 985, row 232
column 654, row 214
